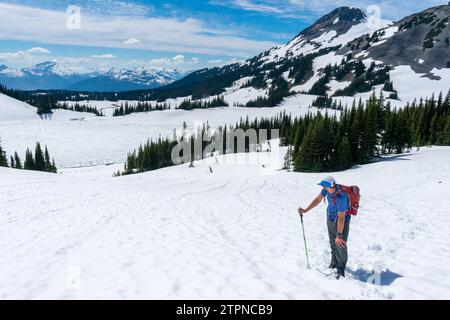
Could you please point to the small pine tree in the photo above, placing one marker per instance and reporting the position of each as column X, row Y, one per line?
column 53, row 168
column 308, row 158
column 39, row 159
column 370, row 134
column 446, row 133
column 29, row 160
column 288, row 159
column 389, row 86
column 17, row 162
column 344, row 155
column 3, row 160
column 48, row 163
column 45, row 104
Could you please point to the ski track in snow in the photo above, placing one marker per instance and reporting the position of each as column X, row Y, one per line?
column 185, row 233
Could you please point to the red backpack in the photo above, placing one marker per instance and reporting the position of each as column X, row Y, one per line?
column 353, row 196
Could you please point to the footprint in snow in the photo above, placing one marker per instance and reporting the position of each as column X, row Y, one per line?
column 375, row 247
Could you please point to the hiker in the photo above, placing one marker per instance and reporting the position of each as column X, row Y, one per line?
column 338, row 221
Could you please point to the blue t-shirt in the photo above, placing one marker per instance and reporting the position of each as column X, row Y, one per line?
column 341, row 204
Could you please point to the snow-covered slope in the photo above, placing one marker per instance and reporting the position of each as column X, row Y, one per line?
column 235, row 233
column 339, row 27
column 15, row 114
column 412, row 85
column 12, row 109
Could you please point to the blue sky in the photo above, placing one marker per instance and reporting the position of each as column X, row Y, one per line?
column 162, row 34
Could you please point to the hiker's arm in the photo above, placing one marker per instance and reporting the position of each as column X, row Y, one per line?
column 313, row 204
column 341, row 222
column 340, row 242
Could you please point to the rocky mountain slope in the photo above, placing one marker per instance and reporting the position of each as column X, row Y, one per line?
column 344, row 53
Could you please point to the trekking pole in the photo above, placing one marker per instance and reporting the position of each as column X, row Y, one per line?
column 304, row 239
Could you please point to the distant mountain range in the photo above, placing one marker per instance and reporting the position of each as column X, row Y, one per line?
column 50, row 75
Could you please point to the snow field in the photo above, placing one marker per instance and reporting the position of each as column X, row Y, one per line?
column 185, row 233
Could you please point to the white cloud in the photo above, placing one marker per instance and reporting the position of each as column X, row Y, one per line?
column 103, row 56
column 22, row 54
column 13, row 55
column 160, row 61
column 155, row 33
column 114, row 6
column 234, row 60
column 132, row 41
column 178, row 61
column 221, row 62
column 178, row 58
column 310, row 10
column 217, row 61
column 250, row 6
column 38, row 50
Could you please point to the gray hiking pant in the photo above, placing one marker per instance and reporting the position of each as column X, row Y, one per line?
column 339, row 256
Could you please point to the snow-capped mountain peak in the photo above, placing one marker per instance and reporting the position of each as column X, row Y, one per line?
column 52, row 75
column 339, row 20
column 49, row 68
column 145, row 76
column 334, row 29
column 10, row 72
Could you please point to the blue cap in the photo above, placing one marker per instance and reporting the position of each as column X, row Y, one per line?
column 327, row 182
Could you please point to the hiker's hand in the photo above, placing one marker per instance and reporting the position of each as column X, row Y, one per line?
column 301, row 211
column 341, row 243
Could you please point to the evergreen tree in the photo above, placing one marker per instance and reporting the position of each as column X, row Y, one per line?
column 288, row 159
column 3, row 160
column 370, row 140
column 389, row 86
column 48, row 164
column 344, row 159
column 402, row 139
column 299, row 134
column 29, row 160
column 313, row 155
column 389, row 133
column 45, row 104
column 304, row 160
column 39, row 159
column 53, row 168
column 17, row 162
column 356, row 133
column 446, row 133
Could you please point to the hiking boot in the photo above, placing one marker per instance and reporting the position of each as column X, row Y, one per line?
column 332, row 265
column 340, row 273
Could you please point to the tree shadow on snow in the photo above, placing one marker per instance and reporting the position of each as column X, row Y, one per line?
column 400, row 157
column 383, row 278
column 392, row 157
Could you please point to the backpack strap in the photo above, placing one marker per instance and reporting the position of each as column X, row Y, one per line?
column 325, row 198
column 339, row 192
